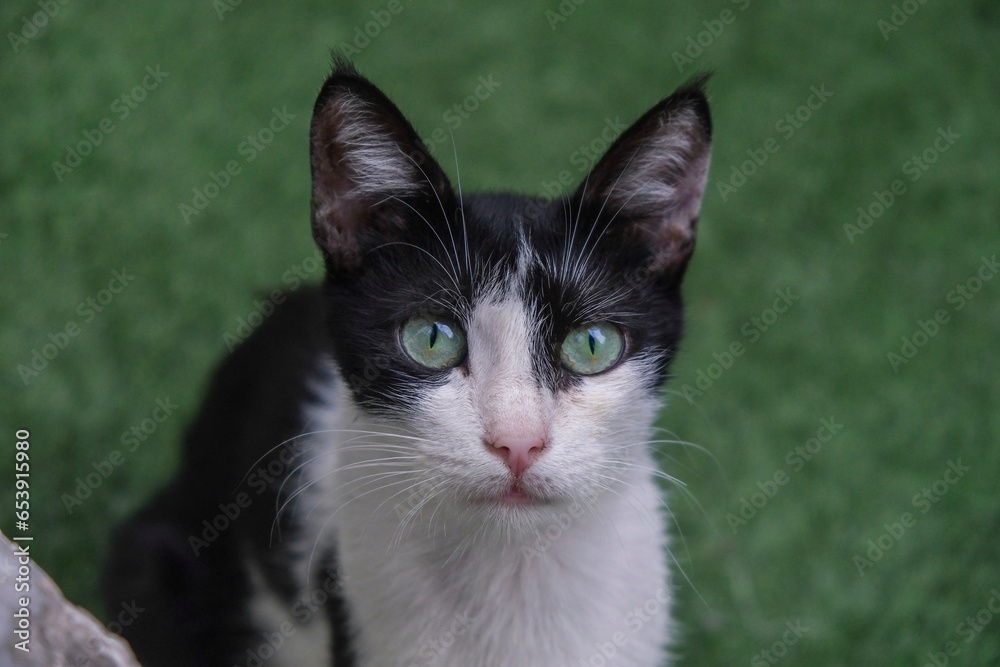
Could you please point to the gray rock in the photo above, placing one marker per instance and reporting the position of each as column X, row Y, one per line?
column 58, row 633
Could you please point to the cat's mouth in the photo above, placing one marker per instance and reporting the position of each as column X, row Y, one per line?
column 514, row 496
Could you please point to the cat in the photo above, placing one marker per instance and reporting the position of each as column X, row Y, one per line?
column 441, row 456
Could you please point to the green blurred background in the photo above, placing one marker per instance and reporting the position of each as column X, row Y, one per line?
column 902, row 76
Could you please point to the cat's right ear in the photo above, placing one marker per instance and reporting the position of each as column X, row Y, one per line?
column 651, row 180
column 371, row 173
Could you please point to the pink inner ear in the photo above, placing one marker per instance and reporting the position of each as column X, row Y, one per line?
column 366, row 158
column 674, row 233
column 654, row 176
column 335, row 223
column 688, row 193
column 361, row 154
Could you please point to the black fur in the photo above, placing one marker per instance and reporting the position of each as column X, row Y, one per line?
column 194, row 607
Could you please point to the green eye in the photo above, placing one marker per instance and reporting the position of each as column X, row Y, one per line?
column 592, row 348
column 436, row 342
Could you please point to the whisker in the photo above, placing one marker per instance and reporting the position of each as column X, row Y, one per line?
column 444, row 215
column 461, row 201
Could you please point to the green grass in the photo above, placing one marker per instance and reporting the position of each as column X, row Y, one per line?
column 784, row 228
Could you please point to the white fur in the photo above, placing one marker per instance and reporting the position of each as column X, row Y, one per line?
column 378, row 164
column 665, row 153
column 295, row 644
column 427, row 564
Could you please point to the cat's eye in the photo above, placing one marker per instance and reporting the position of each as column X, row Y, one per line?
column 434, row 342
column 592, row 348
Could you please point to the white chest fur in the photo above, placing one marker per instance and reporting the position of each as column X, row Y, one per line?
column 587, row 582
column 588, row 586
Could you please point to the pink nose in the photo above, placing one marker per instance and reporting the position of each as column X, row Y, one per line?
column 518, row 452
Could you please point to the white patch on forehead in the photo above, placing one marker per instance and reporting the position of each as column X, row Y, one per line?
column 507, row 395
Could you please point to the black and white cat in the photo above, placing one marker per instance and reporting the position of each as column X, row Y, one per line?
column 442, row 456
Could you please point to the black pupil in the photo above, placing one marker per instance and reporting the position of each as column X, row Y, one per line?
column 593, row 343
column 434, row 334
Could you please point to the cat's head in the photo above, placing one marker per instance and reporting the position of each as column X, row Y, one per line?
column 515, row 346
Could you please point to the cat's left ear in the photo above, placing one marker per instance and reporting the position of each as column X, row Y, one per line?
column 371, row 173
column 650, row 183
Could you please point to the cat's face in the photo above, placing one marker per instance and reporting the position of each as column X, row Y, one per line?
column 513, row 347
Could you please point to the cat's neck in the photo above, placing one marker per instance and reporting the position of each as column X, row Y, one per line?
column 584, row 568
